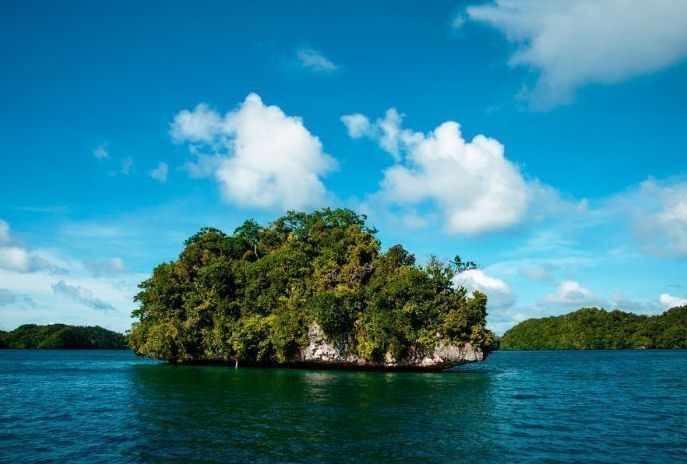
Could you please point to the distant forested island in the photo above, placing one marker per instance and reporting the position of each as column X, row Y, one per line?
column 308, row 289
column 597, row 329
column 61, row 336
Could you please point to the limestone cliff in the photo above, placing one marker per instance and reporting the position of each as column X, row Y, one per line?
column 324, row 352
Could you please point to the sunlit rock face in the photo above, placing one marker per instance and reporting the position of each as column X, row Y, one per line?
column 325, row 352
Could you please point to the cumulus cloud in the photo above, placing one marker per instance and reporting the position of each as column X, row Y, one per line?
column 358, row 125
column 473, row 185
column 575, row 42
column 19, row 259
column 203, row 165
column 263, row 158
column 571, row 295
column 8, row 298
column 160, row 172
column 80, row 295
column 499, row 293
column 200, row 125
column 101, row 152
column 664, row 302
column 107, row 267
column 15, row 258
column 669, row 301
column 315, row 61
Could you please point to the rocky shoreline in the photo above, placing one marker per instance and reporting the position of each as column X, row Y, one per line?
column 327, row 354
column 323, row 352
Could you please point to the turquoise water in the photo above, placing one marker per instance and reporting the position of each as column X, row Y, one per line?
column 520, row 407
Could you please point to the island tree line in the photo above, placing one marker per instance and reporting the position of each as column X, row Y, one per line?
column 597, row 329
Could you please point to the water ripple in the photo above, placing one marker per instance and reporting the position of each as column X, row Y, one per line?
column 111, row 407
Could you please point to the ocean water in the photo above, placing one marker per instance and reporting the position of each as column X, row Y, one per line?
column 517, row 407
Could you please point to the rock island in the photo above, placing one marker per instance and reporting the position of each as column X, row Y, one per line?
column 308, row 290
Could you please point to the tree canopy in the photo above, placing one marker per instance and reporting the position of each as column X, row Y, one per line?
column 254, row 294
column 596, row 329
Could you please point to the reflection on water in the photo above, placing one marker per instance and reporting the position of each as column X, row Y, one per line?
column 515, row 407
column 294, row 415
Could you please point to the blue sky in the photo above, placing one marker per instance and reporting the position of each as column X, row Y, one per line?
column 544, row 140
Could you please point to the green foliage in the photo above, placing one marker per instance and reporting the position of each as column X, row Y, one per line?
column 596, row 329
column 332, row 314
column 61, row 336
column 253, row 295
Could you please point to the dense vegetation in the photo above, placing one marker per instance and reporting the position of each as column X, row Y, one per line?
column 596, row 329
column 54, row 336
column 253, row 295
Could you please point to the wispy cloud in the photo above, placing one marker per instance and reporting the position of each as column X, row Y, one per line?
column 107, row 267
column 11, row 299
column 81, row 295
column 315, row 61
column 160, row 172
column 127, row 164
column 101, row 152
column 16, row 257
column 4, row 231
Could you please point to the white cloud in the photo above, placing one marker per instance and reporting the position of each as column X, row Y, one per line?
column 81, row 295
column 499, row 293
column 669, row 301
column 4, row 231
column 15, row 258
column 19, row 259
column 315, row 61
column 536, row 272
column 127, row 164
column 575, row 42
column 107, row 267
column 664, row 302
column 358, row 125
column 571, row 295
column 8, row 298
column 27, row 277
column 658, row 216
column 203, row 166
column 458, row 21
column 268, row 159
column 101, row 152
column 544, row 268
column 387, row 130
column 623, row 303
column 160, row 172
column 665, row 221
column 474, row 186
column 200, row 125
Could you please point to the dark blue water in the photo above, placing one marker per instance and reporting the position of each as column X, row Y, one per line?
column 519, row 407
